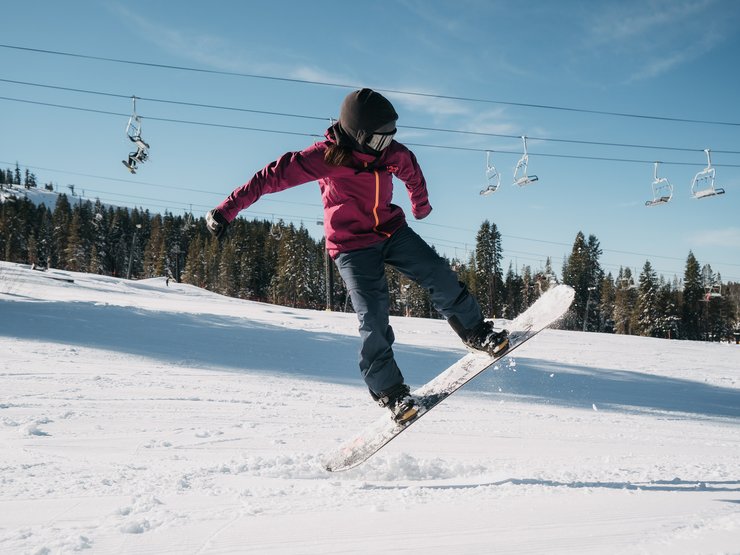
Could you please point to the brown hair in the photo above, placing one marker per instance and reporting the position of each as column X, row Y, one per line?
column 336, row 155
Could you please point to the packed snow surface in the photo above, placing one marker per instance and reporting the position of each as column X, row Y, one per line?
column 137, row 417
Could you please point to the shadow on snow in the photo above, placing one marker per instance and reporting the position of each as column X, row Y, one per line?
column 675, row 485
column 586, row 387
column 228, row 342
column 203, row 340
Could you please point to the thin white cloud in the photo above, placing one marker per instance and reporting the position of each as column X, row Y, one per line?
column 491, row 121
column 208, row 50
column 213, row 51
column 659, row 65
column 625, row 21
column 658, row 36
column 431, row 105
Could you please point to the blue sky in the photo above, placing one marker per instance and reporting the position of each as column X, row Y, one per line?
column 670, row 59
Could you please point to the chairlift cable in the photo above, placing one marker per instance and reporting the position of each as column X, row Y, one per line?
column 384, row 90
column 320, row 118
column 317, row 136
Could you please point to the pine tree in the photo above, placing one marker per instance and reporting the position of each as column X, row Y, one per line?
column 693, row 294
column 7, row 230
column 194, row 271
column 583, row 272
column 45, row 238
column 544, row 279
column 99, row 250
column 625, row 300
column 61, row 219
column 466, row 273
column 283, row 288
column 228, row 270
column 647, row 302
column 33, row 251
column 397, row 291
column 669, row 318
column 154, row 252
column 529, row 288
column 268, row 259
column 86, row 233
column 74, row 253
column 117, row 255
column 514, row 288
column 607, row 304
column 717, row 326
column 489, row 275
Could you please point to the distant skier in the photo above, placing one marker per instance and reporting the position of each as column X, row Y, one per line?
column 364, row 231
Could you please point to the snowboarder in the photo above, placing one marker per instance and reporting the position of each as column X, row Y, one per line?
column 364, row 231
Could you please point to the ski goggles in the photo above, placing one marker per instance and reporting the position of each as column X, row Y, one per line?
column 380, row 141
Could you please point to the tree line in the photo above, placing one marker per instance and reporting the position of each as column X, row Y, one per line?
column 282, row 264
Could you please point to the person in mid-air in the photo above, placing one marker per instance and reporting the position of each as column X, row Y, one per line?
column 355, row 166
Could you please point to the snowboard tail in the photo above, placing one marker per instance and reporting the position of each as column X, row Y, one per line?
column 549, row 308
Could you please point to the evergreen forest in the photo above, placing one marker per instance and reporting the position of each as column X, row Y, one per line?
column 282, row 264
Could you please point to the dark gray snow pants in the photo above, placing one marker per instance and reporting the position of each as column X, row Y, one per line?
column 363, row 271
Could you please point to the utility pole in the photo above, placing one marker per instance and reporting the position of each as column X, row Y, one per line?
column 131, row 252
column 588, row 302
column 176, row 251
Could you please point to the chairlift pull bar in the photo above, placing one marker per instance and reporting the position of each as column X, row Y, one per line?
column 493, row 178
column 133, row 129
column 662, row 189
column 705, row 176
column 275, row 231
column 523, row 163
column 133, row 132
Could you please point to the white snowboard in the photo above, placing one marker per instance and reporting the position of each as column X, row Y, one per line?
column 550, row 307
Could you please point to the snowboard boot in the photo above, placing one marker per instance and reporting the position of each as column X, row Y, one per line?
column 484, row 338
column 397, row 399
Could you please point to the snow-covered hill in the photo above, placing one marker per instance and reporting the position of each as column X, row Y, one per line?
column 139, row 417
column 36, row 195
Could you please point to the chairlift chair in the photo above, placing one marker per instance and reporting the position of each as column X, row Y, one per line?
column 702, row 185
column 493, row 178
column 133, row 132
column 662, row 189
column 712, row 287
column 713, row 291
column 188, row 220
column 276, row 231
column 521, row 177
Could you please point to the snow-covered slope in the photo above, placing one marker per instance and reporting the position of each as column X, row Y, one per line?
column 137, row 417
column 37, row 195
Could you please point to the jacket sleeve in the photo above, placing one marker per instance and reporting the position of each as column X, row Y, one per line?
column 410, row 173
column 290, row 170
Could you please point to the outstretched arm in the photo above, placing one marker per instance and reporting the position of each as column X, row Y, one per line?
column 290, row 170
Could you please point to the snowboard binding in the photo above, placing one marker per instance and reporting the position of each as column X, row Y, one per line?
column 404, row 408
column 488, row 340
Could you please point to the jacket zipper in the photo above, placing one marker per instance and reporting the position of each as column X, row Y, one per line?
column 377, row 203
